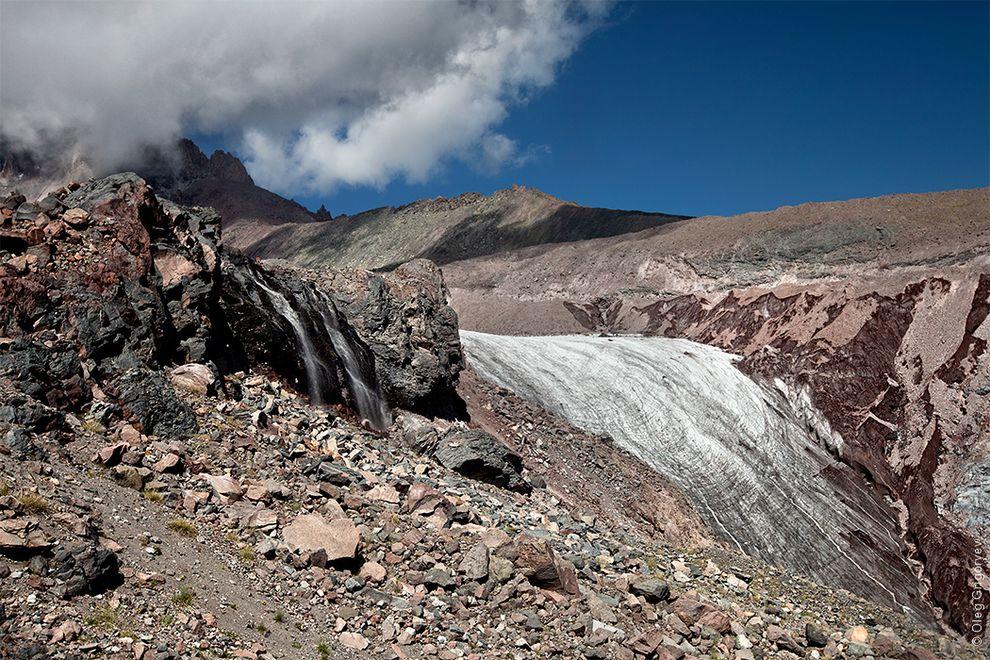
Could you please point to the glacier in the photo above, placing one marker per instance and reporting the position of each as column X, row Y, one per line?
column 756, row 468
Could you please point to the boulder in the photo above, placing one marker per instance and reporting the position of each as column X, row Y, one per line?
column 85, row 568
column 312, row 533
column 479, row 455
column 194, row 378
column 474, row 564
column 541, row 565
column 816, row 637
column 153, row 403
column 20, row 536
column 76, row 218
column 132, row 477
column 646, row 642
column 168, row 464
column 652, row 589
column 224, row 485
column 20, row 444
column 110, row 455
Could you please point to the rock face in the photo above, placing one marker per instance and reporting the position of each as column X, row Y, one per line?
column 412, row 331
column 376, row 341
column 93, row 309
column 364, row 340
column 755, row 469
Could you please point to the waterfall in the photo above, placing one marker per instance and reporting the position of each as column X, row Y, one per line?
column 312, row 363
column 367, row 398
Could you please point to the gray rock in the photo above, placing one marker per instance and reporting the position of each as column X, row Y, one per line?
column 474, row 565
column 816, row 637
column 85, row 568
column 652, row 589
column 481, row 456
column 21, row 445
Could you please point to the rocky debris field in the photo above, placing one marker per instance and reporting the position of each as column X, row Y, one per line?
column 169, row 489
column 283, row 530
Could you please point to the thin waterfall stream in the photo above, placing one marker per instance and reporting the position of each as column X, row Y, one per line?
column 366, row 395
column 312, row 363
column 368, row 399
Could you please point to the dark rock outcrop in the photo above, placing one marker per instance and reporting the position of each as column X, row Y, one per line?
column 121, row 284
column 85, row 568
column 474, row 453
column 480, row 455
column 404, row 318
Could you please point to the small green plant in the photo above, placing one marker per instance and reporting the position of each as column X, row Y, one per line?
column 4, row 489
column 93, row 426
column 246, row 555
column 33, row 503
column 323, row 650
column 279, row 616
column 183, row 527
column 153, row 496
column 184, row 597
column 296, row 644
column 103, row 617
column 261, row 628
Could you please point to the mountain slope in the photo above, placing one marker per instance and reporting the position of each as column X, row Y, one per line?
column 875, row 309
column 187, row 176
column 443, row 230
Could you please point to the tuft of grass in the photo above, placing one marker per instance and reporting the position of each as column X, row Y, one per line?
column 279, row 616
column 184, row 597
column 323, row 650
column 93, row 426
column 153, row 496
column 33, row 503
column 183, row 527
column 246, row 555
column 103, row 617
column 261, row 628
column 4, row 489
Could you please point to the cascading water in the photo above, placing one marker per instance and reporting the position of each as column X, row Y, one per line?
column 367, row 398
column 313, row 364
column 365, row 393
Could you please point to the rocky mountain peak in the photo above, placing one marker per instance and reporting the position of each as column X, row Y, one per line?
column 225, row 165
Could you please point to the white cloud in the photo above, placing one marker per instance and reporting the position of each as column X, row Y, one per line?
column 315, row 94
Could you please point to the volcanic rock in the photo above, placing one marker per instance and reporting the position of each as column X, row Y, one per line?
column 480, row 455
column 542, row 566
column 85, row 568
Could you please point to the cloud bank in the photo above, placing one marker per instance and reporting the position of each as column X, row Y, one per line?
column 313, row 94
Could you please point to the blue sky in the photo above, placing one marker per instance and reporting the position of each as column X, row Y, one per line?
column 722, row 108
